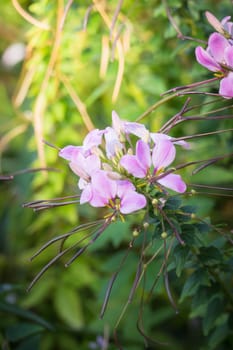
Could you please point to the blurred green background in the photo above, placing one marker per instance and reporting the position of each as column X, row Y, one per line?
column 68, row 68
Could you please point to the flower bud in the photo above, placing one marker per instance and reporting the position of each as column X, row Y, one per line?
column 214, row 22
column 164, row 235
column 146, row 225
column 154, row 202
column 135, row 233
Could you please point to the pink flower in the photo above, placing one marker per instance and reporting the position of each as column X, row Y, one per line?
column 120, row 195
column 163, row 154
column 218, row 57
column 215, row 55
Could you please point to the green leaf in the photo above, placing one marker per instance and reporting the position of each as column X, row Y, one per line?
column 15, row 310
column 199, row 311
column 181, row 256
column 32, row 342
column 173, row 203
column 214, row 310
column 191, row 235
column 68, row 306
column 199, row 277
column 22, row 330
column 210, row 256
column 218, row 335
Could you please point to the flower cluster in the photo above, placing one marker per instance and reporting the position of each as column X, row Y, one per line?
column 118, row 165
column 218, row 57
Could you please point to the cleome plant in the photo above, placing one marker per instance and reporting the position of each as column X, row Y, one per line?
column 133, row 182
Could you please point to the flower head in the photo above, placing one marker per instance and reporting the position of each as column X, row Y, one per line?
column 108, row 169
column 215, row 56
column 218, row 56
column 120, row 195
column 162, row 155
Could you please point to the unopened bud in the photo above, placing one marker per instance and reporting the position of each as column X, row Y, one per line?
column 214, row 22
column 135, row 233
column 154, row 202
column 146, row 225
column 193, row 192
column 193, row 216
column 164, row 235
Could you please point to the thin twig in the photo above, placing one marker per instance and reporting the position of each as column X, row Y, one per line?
column 67, row 7
column 212, row 187
column 68, row 234
column 203, row 134
column 113, row 278
column 174, row 120
column 190, row 86
column 98, row 233
column 28, row 171
column 180, row 35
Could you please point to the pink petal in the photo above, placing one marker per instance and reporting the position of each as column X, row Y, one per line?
column 163, row 154
column 183, row 144
column 131, row 164
column 103, row 185
column 117, row 123
column 82, row 183
column 79, row 170
column 69, row 151
column 132, row 201
column 97, row 200
column 217, row 45
column 227, row 24
column 205, row 59
column 93, row 139
column 225, row 20
column 226, row 86
column 136, row 129
column 174, row 182
column 85, row 166
column 91, row 164
column 112, row 142
column 143, row 154
column 124, row 186
column 228, row 54
column 86, row 194
column 156, row 137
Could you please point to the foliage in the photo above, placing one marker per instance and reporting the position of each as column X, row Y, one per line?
column 64, row 88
